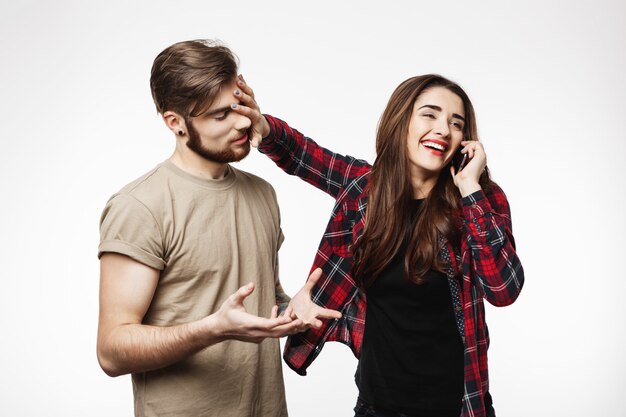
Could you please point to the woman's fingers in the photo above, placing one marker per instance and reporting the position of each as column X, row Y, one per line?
column 246, row 99
column 241, row 82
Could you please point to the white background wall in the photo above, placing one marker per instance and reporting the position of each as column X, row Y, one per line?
column 547, row 80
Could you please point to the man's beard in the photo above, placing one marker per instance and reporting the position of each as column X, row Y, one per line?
column 223, row 157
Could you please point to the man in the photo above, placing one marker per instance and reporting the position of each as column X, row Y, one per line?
column 184, row 246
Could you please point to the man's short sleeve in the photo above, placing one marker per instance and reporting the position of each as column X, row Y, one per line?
column 281, row 236
column 129, row 228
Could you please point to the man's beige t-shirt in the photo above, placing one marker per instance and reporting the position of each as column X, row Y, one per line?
column 208, row 238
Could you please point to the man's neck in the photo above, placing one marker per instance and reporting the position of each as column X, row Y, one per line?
column 194, row 164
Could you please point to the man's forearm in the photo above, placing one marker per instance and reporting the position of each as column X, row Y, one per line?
column 132, row 348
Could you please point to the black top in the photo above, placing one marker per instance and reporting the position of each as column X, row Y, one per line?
column 412, row 354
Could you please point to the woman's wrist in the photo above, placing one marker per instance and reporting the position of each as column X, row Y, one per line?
column 265, row 127
column 468, row 188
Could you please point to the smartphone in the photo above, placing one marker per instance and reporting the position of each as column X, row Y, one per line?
column 459, row 161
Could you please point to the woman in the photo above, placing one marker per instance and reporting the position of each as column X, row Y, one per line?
column 415, row 243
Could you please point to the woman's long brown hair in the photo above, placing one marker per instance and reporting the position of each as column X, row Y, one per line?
column 388, row 226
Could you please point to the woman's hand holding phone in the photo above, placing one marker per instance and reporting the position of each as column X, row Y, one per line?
column 466, row 178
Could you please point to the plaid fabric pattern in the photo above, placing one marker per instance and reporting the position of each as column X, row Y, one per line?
column 490, row 267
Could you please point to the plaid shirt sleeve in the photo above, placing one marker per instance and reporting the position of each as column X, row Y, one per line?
column 344, row 178
column 498, row 272
column 301, row 156
column 491, row 271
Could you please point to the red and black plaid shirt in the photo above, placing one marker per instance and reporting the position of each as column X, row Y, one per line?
column 489, row 265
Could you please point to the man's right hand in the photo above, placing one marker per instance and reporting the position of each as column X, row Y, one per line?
column 127, row 345
column 232, row 321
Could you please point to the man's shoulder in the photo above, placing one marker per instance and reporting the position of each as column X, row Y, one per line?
column 249, row 179
column 147, row 190
column 146, row 183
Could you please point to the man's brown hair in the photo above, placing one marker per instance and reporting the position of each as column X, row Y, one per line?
column 187, row 76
